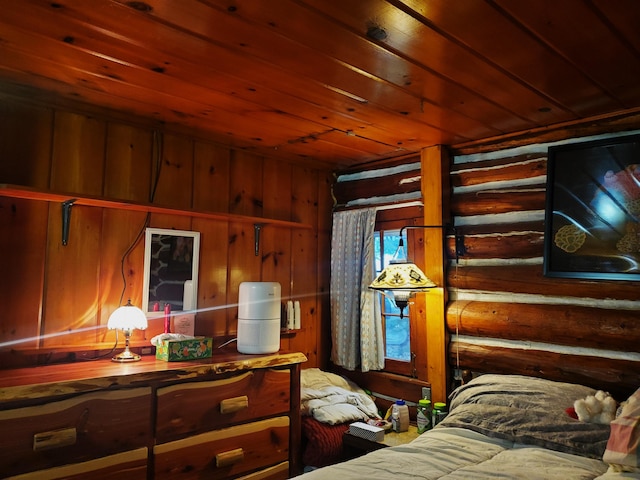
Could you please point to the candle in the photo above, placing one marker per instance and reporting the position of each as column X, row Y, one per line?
column 167, row 318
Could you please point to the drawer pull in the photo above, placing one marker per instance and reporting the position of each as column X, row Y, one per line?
column 230, row 405
column 54, row 439
column 231, row 457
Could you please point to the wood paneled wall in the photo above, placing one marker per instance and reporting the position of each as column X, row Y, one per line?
column 504, row 315
column 57, row 299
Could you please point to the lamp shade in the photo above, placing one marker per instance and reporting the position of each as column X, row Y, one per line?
column 402, row 276
column 127, row 317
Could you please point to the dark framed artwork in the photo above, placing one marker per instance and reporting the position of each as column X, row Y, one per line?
column 171, row 260
column 592, row 214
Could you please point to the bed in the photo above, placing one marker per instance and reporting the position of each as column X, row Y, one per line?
column 509, row 426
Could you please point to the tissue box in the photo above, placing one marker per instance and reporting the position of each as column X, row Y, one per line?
column 364, row 430
column 179, row 350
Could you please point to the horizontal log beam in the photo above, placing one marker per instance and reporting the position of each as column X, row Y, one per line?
column 498, row 201
column 513, row 168
column 404, row 182
column 570, row 325
column 526, row 245
column 619, row 377
column 529, row 279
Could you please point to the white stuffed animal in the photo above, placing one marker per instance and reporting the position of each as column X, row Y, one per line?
column 598, row 408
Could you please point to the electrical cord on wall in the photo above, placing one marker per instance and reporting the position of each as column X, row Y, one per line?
column 228, row 342
column 158, row 143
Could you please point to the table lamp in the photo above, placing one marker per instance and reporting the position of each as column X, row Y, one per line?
column 126, row 318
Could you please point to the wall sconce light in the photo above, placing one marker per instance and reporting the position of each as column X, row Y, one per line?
column 127, row 318
column 401, row 279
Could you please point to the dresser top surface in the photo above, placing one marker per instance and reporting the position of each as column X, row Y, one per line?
column 71, row 378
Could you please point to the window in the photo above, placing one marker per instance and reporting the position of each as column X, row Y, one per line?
column 398, row 332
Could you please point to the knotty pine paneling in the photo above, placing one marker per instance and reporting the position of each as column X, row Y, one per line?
column 212, row 278
column 121, row 275
column 325, row 204
column 211, row 177
column 211, row 193
column 23, row 263
column 275, row 242
column 246, row 266
column 67, row 293
column 130, row 154
column 277, row 190
column 25, row 143
column 78, row 154
column 175, row 178
column 304, row 267
column 246, row 186
column 72, row 272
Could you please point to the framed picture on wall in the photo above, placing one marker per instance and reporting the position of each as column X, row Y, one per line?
column 592, row 215
column 171, row 259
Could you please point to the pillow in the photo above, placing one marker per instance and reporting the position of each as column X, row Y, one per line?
column 623, row 447
column 526, row 410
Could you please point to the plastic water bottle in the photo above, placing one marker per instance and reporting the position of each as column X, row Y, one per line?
column 438, row 413
column 400, row 416
column 423, row 415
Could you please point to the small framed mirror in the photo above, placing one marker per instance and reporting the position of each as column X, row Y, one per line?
column 171, row 260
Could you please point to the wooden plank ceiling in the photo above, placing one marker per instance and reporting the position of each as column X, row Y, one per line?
column 332, row 82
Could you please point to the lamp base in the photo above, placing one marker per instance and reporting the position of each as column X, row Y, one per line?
column 126, row 356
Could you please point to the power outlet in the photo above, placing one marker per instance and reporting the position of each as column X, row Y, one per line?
column 426, row 393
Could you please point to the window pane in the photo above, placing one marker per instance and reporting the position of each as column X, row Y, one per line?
column 397, row 333
column 397, row 338
column 391, row 241
column 376, row 250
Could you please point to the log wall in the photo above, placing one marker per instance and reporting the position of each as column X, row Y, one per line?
column 56, row 299
column 503, row 314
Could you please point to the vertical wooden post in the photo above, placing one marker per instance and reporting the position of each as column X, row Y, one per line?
column 435, row 174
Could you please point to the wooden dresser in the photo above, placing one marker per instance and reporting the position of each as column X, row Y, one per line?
column 230, row 416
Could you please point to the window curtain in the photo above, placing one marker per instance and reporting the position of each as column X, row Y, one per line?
column 356, row 322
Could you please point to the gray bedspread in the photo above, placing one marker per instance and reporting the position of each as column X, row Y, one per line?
column 526, row 410
column 499, row 426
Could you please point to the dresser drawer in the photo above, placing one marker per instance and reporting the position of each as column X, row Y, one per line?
column 277, row 472
column 127, row 465
column 225, row 453
column 190, row 408
column 88, row 426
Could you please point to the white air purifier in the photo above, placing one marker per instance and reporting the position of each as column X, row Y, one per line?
column 259, row 317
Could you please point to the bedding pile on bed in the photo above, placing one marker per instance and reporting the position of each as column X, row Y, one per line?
column 531, row 412
column 332, row 399
column 329, row 404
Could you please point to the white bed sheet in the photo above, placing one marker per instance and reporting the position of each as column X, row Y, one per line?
column 457, row 453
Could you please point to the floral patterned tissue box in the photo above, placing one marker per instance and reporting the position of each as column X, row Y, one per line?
column 179, row 350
